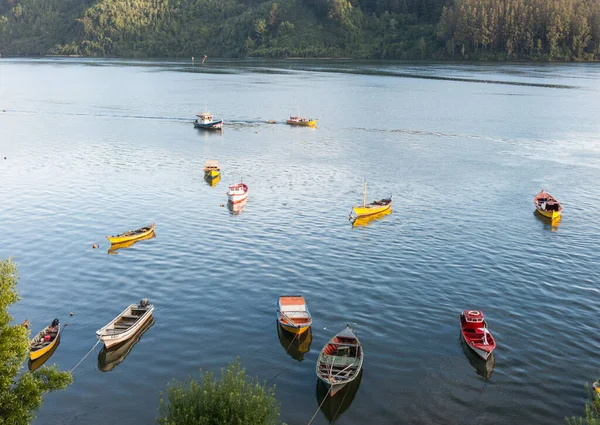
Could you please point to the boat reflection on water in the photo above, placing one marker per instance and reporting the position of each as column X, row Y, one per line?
column 212, row 181
column 295, row 345
column 364, row 221
column 552, row 223
column 35, row 364
column 482, row 367
column 108, row 359
column 116, row 246
column 333, row 407
column 237, row 208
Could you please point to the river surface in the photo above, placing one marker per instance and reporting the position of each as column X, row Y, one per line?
column 90, row 148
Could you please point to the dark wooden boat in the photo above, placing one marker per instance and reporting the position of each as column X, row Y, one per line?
column 340, row 360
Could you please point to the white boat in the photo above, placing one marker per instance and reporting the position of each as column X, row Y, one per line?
column 237, row 193
column 126, row 324
column 205, row 121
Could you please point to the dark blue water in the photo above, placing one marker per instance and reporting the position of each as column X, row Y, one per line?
column 95, row 147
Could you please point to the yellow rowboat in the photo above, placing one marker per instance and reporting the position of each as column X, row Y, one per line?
column 211, row 169
column 375, row 207
column 293, row 315
column 547, row 205
column 301, row 121
column 132, row 235
column 33, row 365
column 45, row 340
column 122, row 245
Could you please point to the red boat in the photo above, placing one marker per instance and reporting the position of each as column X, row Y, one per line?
column 476, row 334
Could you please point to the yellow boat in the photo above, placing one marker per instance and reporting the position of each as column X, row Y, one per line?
column 45, row 340
column 547, row 205
column 301, row 121
column 211, row 169
column 293, row 315
column 132, row 235
column 122, row 245
column 375, row 207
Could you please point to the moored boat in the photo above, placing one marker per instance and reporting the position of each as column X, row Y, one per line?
column 45, row 340
column 109, row 358
column 132, row 235
column 211, row 169
column 340, row 360
column 237, row 193
column 301, row 121
column 206, row 122
column 375, row 207
column 596, row 386
column 547, row 205
column 474, row 331
column 128, row 244
column 293, row 315
column 126, row 324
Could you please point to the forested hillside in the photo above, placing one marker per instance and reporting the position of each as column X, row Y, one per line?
column 378, row 29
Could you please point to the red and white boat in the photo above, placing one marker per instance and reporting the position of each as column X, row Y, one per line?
column 237, row 193
column 476, row 334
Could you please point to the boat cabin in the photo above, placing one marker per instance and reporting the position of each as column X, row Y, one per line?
column 473, row 319
column 204, row 117
column 237, row 189
column 211, row 165
column 291, row 303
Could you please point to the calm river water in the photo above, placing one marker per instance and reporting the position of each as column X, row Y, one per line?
column 96, row 147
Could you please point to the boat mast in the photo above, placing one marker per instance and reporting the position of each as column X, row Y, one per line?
column 365, row 194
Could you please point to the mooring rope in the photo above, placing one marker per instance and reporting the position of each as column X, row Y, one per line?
column 84, row 357
column 319, row 408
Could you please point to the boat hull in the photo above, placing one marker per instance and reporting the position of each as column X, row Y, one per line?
column 297, row 330
column 310, row 123
column 115, row 339
column 212, row 174
column 215, row 125
column 141, row 235
column 360, row 212
column 553, row 215
column 234, row 199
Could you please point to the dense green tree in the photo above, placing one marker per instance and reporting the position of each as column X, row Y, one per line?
column 20, row 394
column 390, row 29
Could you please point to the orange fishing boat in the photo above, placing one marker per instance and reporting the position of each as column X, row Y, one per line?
column 293, row 315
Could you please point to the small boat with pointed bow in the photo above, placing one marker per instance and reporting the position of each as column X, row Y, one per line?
column 45, row 340
column 375, row 207
column 132, row 235
column 293, row 315
column 205, row 121
column 547, row 205
column 340, row 361
column 237, row 193
column 475, row 333
column 126, row 324
column 301, row 121
column 211, row 169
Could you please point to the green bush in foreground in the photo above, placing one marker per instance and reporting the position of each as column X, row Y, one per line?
column 20, row 395
column 592, row 411
column 235, row 400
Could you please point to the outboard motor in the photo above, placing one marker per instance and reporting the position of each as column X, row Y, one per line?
column 144, row 303
column 55, row 323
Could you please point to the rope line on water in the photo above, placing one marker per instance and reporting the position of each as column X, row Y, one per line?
column 319, row 408
column 84, row 357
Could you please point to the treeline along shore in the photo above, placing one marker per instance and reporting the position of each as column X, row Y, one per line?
column 554, row 30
